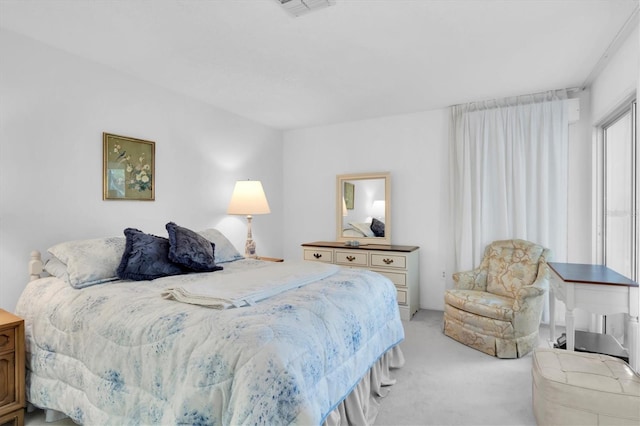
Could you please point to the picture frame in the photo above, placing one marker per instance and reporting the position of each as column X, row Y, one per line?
column 349, row 194
column 128, row 168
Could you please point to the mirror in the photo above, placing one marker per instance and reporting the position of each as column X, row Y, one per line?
column 363, row 208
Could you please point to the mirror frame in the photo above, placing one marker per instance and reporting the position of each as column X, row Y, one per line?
column 340, row 179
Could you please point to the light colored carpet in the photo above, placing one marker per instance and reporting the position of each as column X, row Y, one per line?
column 443, row 383
column 447, row 383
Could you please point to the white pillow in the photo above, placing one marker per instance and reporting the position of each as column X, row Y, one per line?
column 365, row 228
column 90, row 262
column 56, row 268
column 224, row 251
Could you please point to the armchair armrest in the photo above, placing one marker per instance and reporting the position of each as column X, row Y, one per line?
column 539, row 286
column 526, row 296
column 471, row 280
column 533, row 290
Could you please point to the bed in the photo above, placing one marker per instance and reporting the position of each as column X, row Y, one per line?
column 316, row 349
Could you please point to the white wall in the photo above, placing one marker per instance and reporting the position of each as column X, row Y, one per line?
column 53, row 110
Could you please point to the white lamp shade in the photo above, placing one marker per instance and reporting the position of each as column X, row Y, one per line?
column 248, row 198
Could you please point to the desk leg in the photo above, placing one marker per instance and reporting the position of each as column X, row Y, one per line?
column 552, row 317
column 633, row 343
column 569, row 317
column 632, row 332
column 569, row 321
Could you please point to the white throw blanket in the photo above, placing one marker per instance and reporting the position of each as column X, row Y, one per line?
column 223, row 291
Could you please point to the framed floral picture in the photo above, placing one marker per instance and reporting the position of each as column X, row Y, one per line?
column 128, row 168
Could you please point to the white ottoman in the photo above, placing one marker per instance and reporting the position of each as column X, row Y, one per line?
column 577, row 388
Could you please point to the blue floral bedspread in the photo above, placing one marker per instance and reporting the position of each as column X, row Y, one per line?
column 119, row 353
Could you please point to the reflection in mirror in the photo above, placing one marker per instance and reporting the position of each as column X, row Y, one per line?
column 363, row 208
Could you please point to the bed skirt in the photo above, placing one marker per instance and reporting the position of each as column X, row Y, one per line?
column 360, row 407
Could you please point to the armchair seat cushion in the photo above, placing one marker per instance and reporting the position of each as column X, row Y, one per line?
column 477, row 324
column 481, row 303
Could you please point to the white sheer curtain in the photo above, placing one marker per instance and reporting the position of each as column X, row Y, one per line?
column 509, row 174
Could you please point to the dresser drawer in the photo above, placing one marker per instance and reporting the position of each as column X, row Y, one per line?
column 402, row 297
column 319, row 255
column 352, row 258
column 7, row 339
column 389, row 260
column 397, row 278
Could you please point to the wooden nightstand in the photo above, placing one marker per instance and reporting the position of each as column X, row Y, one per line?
column 12, row 391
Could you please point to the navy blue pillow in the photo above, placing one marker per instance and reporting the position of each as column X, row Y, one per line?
column 377, row 227
column 146, row 257
column 190, row 249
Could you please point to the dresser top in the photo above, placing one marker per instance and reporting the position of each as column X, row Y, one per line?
column 370, row 247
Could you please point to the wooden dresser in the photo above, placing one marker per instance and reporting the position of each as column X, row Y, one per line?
column 398, row 263
column 12, row 373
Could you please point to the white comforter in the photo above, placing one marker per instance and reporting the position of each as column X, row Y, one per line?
column 120, row 353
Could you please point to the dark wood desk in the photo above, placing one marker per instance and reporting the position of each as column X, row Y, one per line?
column 596, row 289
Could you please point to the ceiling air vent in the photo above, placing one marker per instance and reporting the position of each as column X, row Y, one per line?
column 301, row 7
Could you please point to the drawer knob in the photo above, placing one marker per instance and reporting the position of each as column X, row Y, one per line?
column 351, row 258
column 388, row 261
column 317, row 255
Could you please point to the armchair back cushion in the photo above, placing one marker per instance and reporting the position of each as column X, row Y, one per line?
column 511, row 265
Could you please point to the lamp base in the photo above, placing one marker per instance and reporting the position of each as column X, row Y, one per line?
column 250, row 248
column 250, row 245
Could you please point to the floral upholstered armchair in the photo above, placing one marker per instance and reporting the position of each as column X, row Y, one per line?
column 497, row 307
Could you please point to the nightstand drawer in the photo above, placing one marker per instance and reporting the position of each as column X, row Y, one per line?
column 388, row 261
column 7, row 339
column 399, row 279
column 319, row 255
column 351, row 258
column 7, row 379
column 12, row 370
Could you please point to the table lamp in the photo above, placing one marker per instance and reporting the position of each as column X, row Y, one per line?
column 248, row 198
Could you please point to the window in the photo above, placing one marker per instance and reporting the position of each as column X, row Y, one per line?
column 618, row 203
column 620, row 189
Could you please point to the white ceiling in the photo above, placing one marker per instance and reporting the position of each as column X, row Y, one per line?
column 355, row 60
